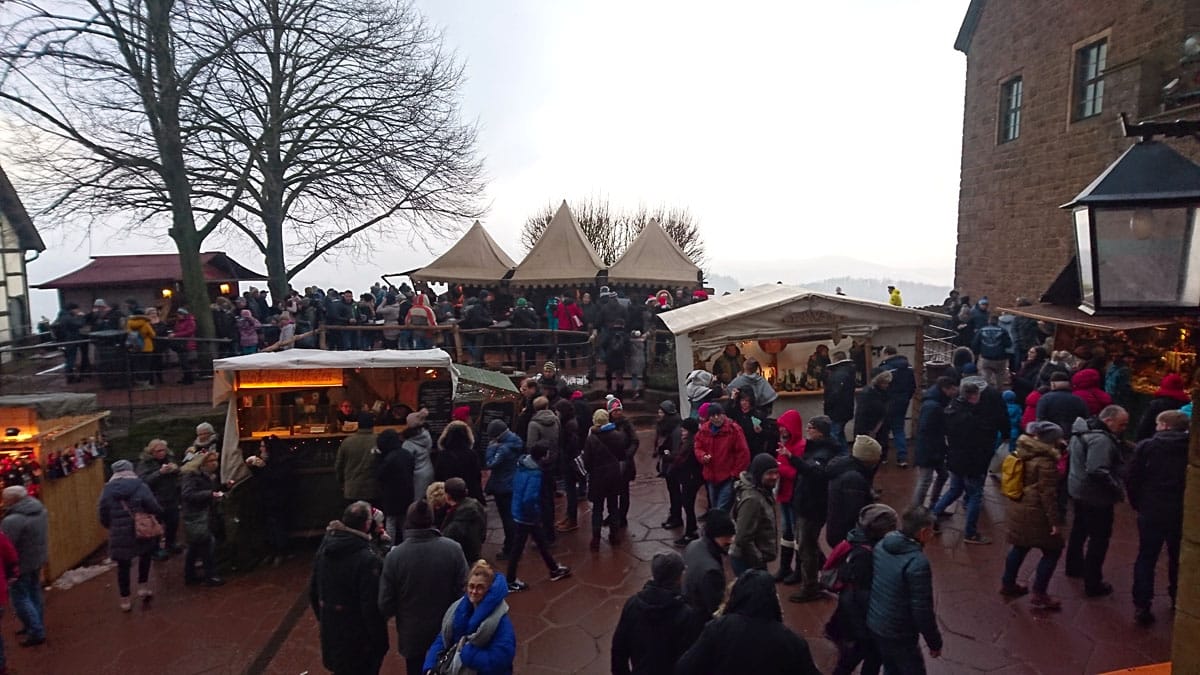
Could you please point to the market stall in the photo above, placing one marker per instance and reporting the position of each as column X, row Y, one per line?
column 52, row 444
column 784, row 327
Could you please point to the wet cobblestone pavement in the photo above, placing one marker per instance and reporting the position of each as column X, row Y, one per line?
column 260, row 621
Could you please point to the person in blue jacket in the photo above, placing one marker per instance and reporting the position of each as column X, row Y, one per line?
column 502, row 454
column 527, row 517
column 1015, row 411
column 477, row 625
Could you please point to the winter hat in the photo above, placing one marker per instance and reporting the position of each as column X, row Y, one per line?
column 496, row 428
column 99, row 303
column 549, row 367
column 600, row 418
column 576, row 395
column 1172, row 387
column 822, row 424
column 876, row 520
column 667, row 568
column 122, row 465
column 762, row 463
column 613, row 404
column 461, row 414
column 522, row 302
column 718, row 524
column 1010, row 396
column 419, row 517
column 668, row 407
column 691, row 424
column 1044, row 431
column 866, row 450
column 704, row 408
column 416, row 419
column 983, row 300
column 366, row 420
column 715, row 409
column 969, row 369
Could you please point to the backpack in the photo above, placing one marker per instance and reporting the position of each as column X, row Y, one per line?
column 134, row 341
column 833, row 577
column 1012, row 477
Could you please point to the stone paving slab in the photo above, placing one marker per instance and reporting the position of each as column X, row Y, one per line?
column 566, row 626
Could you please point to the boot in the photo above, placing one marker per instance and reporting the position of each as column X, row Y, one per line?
column 595, row 545
column 786, row 553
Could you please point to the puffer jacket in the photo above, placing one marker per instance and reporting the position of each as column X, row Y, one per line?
column 1030, row 518
column 1157, row 476
column 901, row 605
column 931, row 429
column 849, row 491
column 1086, row 385
column 656, row 627
column 466, row 523
column 27, row 525
column 527, row 491
column 794, row 424
column 757, row 539
column 839, row 391
column 123, row 492
column 727, row 446
column 492, row 643
column 970, row 437
column 1094, row 456
column 502, row 456
column 343, row 592
column 141, row 325
column 165, row 486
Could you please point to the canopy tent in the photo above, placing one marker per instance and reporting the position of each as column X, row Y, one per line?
column 475, row 259
column 654, row 259
column 562, row 255
column 778, row 311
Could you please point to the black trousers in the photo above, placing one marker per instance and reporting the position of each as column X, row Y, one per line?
column 547, row 505
column 850, row 654
column 170, row 520
column 523, row 533
column 682, row 489
column 123, row 569
column 504, row 506
column 1092, row 526
column 901, row 657
column 1152, row 536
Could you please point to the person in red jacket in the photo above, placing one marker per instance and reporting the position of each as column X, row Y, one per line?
column 791, row 444
column 8, row 570
column 723, row 453
column 570, row 317
column 1086, row 385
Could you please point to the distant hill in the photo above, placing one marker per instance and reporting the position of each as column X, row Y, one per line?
column 914, row 293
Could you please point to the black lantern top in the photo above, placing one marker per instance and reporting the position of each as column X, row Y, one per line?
column 1148, row 171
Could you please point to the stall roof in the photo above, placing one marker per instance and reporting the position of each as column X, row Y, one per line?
column 780, row 311
column 562, row 255
column 302, row 359
column 476, row 258
column 51, row 406
column 1070, row 316
column 487, row 378
column 654, row 258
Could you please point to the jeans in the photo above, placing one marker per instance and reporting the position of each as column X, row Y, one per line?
column 523, row 533
column 682, row 491
column 1045, row 568
column 895, row 424
column 202, row 551
column 926, row 480
column 598, row 506
column 1151, row 537
column 901, row 657
column 1093, row 526
column 973, row 487
column 787, row 523
column 504, row 506
column 720, row 495
column 123, row 568
column 995, row 371
column 808, row 551
column 838, row 431
column 26, row 594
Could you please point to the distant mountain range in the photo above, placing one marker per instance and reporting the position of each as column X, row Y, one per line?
column 914, row 293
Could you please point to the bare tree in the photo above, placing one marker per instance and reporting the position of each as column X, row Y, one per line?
column 348, row 113
column 610, row 232
column 101, row 90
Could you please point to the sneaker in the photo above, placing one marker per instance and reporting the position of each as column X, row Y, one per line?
column 902, row 464
column 560, row 572
column 686, row 539
column 976, row 539
column 517, row 586
column 1013, row 591
column 1100, row 591
column 1143, row 616
column 145, row 593
column 1043, row 601
column 126, row 605
column 567, row 526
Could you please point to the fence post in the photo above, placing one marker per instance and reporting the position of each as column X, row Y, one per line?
column 322, row 338
column 458, row 346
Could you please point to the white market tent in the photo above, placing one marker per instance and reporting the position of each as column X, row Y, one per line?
column 475, row 259
column 561, row 256
column 779, row 311
column 654, row 259
column 224, row 371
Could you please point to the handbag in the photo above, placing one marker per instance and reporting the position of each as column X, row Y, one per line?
column 449, row 662
column 145, row 525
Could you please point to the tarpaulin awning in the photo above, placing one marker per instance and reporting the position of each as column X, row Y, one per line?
column 654, row 258
column 52, row 406
column 475, row 259
column 562, row 255
column 1071, row 316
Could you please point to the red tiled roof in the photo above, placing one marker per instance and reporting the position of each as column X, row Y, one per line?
column 130, row 270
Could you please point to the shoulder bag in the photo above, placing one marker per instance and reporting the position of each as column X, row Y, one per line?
column 145, row 525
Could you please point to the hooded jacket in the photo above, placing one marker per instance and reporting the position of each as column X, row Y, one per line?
column 354, row 466
column 569, row 316
column 904, row 382
column 527, row 491
column 870, row 411
column 1170, row 396
column 727, row 446
column 970, row 437
column 901, row 605
column 544, row 426
column 931, row 429
column 120, row 492
column 343, row 592
column 1157, row 476
column 757, row 539
column 165, row 486
column 656, row 627
column 420, row 446
column 795, row 444
column 502, row 455
column 849, row 491
column 457, row 458
column 466, row 523
column 840, row 383
column 1030, row 518
column 704, row 578
column 750, row 638
column 1086, row 385
column 420, row 314
column 668, row 441
column 701, row 387
column 764, row 395
column 1094, row 456
column 27, row 525
column 492, row 642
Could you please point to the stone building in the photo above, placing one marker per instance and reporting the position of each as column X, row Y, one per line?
column 1046, row 82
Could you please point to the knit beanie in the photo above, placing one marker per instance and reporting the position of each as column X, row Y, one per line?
column 714, row 409
column 461, row 414
column 876, row 520
column 668, row 407
column 613, row 403
column 1045, row 431
column 666, row 568
column 866, row 450
column 718, row 524
column 122, row 465
column 496, row 428
column 600, row 418
column 762, row 463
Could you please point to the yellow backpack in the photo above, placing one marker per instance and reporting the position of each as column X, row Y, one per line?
column 1012, row 477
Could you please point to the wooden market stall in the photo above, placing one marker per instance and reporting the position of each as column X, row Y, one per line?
column 783, row 327
column 53, row 445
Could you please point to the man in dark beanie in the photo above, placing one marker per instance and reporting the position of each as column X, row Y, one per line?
column 723, row 454
column 503, row 451
column 757, row 541
column 421, row 578
column 355, row 462
column 657, row 625
column 704, row 583
column 343, row 591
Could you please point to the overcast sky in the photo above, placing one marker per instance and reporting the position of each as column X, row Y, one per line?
column 792, row 131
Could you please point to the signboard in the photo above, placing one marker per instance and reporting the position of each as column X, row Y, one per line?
column 436, row 396
column 810, row 317
column 496, row 410
column 275, row 379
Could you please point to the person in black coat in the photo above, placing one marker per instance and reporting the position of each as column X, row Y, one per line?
column 971, row 430
column 810, row 502
column 850, row 487
column 657, row 625
column 840, row 380
column 456, row 458
column 870, row 410
column 124, row 495
column 931, row 441
column 570, row 444
column 394, row 471
column 1060, row 405
column 1170, row 396
column 344, row 594
column 159, row 468
column 750, row 637
column 275, row 468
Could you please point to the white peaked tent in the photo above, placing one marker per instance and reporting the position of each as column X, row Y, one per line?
column 561, row 256
column 475, row 259
column 654, row 259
